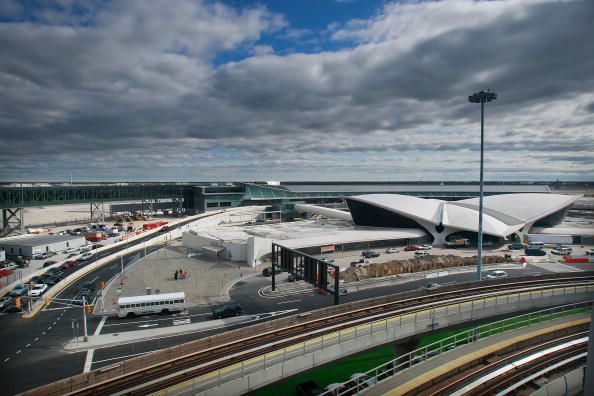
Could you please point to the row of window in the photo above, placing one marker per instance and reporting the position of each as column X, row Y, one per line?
column 149, row 304
column 217, row 204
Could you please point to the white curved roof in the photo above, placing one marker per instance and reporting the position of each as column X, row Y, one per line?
column 416, row 208
column 503, row 214
column 523, row 206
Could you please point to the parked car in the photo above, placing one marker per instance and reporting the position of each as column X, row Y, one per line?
column 369, row 254
column 226, row 311
column 341, row 290
column 392, row 250
column 590, row 252
column 361, row 381
column 516, row 246
column 268, row 271
column 536, row 245
column 40, row 256
column 430, row 286
column 54, row 271
column 36, row 280
column 70, row 250
column 19, row 290
column 85, row 256
column 534, row 252
column 72, row 255
column 425, row 247
column 51, row 280
column 561, row 251
column 48, row 263
column 411, row 248
column 5, row 302
column 37, row 290
column 69, row 264
column 85, row 248
column 497, row 274
column 421, row 253
column 8, row 266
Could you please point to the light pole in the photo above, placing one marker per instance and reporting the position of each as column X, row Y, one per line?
column 481, row 97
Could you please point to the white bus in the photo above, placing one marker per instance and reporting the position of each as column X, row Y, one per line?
column 152, row 303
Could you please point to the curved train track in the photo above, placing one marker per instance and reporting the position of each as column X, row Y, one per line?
column 164, row 374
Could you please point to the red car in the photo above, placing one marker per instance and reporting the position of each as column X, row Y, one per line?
column 411, row 248
column 69, row 264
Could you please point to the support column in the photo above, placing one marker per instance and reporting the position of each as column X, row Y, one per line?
column 147, row 207
column 97, row 212
column 589, row 374
column 13, row 221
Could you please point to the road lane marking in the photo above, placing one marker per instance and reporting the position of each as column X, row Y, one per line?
column 149, row 325
column 36, row 339
column 88, row 361
column 49, row 328
column 19, row 351
column 27, row 346
column 43, row 333
column 6, row 360
column 182, row 322
column 122, row 357
column 286, row 302
column 100, row 326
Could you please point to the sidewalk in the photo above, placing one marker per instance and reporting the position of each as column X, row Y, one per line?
column 207, row 281
column 128, row 337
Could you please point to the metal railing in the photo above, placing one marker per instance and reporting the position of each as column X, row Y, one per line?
column 419, row 355
column 388, row 325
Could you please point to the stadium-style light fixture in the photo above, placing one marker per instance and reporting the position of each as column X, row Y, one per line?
column 481, row 97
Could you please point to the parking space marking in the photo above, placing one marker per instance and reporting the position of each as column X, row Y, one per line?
column 6, row 360
column 27, row 346
column 43, row 333
column 36, row 339
column 19, row 351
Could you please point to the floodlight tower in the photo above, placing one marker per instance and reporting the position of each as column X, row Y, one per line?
column 481, row 97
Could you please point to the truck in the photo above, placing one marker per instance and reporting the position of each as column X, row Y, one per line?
column 150, row 226
column 95, row 236
column 462, row 242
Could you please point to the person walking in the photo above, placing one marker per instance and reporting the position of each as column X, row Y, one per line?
column 175, row 276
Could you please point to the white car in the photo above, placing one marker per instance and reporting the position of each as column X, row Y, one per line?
column 561, row 251
column 392, row 250
column 86, row 256
column 328, row 260
column 85, row 248
column 70, row 250
column 496, row 274
column 421, row 253
column 8, row 266
column 37, row 290
column 425, row 247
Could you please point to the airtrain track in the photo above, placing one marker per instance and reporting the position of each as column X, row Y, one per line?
column 168, row 372
column 497, row 375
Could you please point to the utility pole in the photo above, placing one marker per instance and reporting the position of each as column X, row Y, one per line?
column 481, row 97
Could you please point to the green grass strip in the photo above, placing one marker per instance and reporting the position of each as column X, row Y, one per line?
column 339, row 371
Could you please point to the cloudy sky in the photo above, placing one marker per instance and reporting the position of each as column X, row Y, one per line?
column 295, row 90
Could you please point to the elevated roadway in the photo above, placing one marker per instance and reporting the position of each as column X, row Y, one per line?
column 240, row 360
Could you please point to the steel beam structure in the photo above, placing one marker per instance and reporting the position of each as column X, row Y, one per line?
column 309, row 268
column 23, row 197
column 97, row 212
column 13, row 221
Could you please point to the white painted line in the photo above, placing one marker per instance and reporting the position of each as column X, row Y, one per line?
column 100, row 326
column 43, row 333
column 286, row 302
column 36, row 339
column 27, row 346
column 122, row 357
column 6, row 360
column 53, row 324
column 49, row 328
column 95, row 278
column 88, row 361
column 19, row 351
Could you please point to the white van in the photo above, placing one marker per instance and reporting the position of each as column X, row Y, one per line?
column 536, row 245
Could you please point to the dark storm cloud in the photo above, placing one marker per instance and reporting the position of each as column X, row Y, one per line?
column 136, row 80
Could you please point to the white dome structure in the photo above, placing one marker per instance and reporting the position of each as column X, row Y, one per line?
column 503, row 215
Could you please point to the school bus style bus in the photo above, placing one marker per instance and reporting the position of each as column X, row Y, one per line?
column 149, row 304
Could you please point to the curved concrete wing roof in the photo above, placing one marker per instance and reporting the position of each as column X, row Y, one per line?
column 522, row 206
column 465, row 218
column 416, row 208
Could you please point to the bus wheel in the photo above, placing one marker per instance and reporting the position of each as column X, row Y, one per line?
column 130, row 315
column 165, row 311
